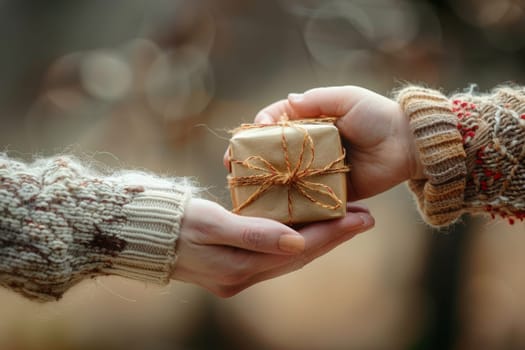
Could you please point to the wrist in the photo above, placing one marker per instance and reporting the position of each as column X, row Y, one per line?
column 151, row 231
column 417, row 171
column 414, row 169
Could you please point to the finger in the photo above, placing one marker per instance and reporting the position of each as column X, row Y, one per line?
column 273, row 113
column 226, row 160
column 320, row 234
column 327, row 247
column 320, row 239
column 355, row 207
column 259, row 235
column 333, row 101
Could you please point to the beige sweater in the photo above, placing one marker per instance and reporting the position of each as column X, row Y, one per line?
column 472, row 148
column 60, row 223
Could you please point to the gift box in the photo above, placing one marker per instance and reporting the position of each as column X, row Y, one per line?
column 292, row 172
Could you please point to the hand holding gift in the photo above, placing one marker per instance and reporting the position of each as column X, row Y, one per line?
column 382, row 150
column 458, row 154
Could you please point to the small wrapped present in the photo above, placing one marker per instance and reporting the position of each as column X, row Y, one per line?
column 292, row 172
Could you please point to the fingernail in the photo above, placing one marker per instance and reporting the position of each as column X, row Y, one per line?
column 295, row 98
column 291, row 243
column 367, row 219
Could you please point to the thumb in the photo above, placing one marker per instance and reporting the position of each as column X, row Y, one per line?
column 333, row 101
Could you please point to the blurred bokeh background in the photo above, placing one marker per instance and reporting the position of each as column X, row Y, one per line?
column 157, row 84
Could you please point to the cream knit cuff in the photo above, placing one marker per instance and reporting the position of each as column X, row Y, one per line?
column 151, row 232
column 439, row 143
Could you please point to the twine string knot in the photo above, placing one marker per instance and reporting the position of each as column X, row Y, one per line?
column 294, row 176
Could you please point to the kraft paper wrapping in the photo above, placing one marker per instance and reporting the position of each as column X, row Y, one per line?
column 310, row 186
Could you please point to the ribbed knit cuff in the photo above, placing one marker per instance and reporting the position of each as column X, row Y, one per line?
column 439, row 143
column 151, row 232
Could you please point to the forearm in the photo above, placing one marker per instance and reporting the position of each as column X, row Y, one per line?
column 61, row 223
column 472, row 150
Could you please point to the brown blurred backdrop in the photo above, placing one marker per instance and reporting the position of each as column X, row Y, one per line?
column 156, row 85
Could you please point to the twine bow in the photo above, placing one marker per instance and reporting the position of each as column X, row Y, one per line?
column 294, row 176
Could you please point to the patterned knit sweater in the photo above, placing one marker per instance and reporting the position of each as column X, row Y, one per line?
column 61, row 222
column 472, row 148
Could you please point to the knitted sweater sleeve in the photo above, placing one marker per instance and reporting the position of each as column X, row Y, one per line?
column 61, row 222
column 472, row 148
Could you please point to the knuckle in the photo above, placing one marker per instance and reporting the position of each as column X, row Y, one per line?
column 312, row 91
column 252, row 238
column 341, row 104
